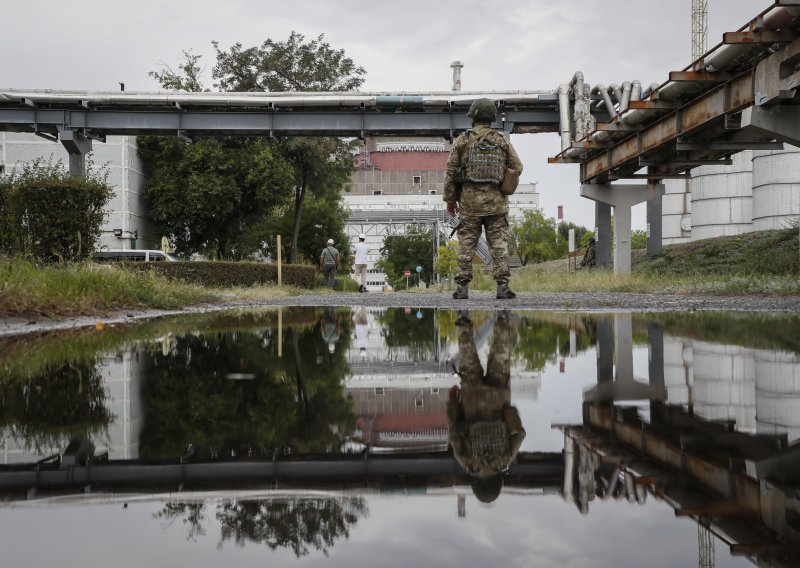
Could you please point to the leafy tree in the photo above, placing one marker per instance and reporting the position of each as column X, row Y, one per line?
column 580, row 232
column 321, row 165
column 187, row 78
column 325, row 218
column 50, row 215
column 405, row 252
column 638, row 239
column 402, row 329
column 535, row 238
column 218, row 195
column 447, row 259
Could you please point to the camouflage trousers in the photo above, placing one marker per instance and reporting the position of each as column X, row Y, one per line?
column 469, row 233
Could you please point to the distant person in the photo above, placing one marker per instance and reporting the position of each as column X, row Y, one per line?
column 485, row 431
column 360, row 250
column 589, row 257
column 329, row 262
column 479, row 161
column 330, row 328
column 362, row 330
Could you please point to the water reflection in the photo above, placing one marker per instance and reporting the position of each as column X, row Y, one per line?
column 700, row 411
column 485, row 429
column 300, row 525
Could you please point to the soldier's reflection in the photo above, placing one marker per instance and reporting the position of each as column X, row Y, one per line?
column 485, row 430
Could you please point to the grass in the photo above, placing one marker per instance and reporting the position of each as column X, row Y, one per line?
column 763, row 263
column 82, row 289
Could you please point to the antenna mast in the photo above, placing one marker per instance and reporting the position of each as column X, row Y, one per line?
column 699, row 28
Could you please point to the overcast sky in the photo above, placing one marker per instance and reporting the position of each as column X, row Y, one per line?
column 407, row 46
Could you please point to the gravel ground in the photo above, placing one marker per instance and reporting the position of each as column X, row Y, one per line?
column 477, row 301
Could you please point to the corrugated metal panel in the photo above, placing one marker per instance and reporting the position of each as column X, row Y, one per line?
column 722, row 198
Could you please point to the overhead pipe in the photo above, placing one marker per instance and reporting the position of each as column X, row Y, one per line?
column 600, row 88
column 563, row 111
column 433, row 99
column 625, row 97
column 616, row 90
column 636, row 90
column 772, row 19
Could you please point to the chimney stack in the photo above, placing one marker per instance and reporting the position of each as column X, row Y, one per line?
column 456, row 66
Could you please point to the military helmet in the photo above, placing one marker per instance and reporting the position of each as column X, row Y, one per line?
column 482, row 110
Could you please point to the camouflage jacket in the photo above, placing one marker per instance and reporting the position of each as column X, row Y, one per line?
column 477, row 199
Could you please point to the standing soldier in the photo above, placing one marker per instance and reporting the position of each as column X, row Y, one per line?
column 478, row 162
column 590, row 257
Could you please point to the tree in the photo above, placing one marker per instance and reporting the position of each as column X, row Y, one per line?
column 187, row 78
column 447, row 259
column 405, row 252
column 325, row 218
column 580, row 232
column 218, row 196
column 50, row 215
column 320, row 165
column 535, row 238
column 638, row 239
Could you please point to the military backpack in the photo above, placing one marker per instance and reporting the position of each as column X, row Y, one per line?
column 486, row 161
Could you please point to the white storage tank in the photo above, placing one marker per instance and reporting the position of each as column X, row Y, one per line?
column 676, row 212
column 776, row 188
column 722, row 198
column 778, row 393
column 725, row 384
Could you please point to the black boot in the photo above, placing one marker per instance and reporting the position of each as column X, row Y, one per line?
column 461, row 293
column 504, row 292
column 463, row 318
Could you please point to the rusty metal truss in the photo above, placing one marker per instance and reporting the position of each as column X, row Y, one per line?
column 706, row 112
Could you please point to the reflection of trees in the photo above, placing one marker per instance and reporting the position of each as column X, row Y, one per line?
column 58, row 403
column 193, row 398
column 190, row 513
column 299, row 524
column 402, row 329
column 536, row 342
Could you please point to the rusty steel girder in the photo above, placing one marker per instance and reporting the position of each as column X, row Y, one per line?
column 728, row 98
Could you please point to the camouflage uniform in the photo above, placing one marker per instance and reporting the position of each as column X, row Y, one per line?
column 589, row 257
column 480, row 205
column 484, row 429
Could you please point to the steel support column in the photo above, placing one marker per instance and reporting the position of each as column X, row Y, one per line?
column 77, row 146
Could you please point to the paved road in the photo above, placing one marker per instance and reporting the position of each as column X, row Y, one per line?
column 478, row 300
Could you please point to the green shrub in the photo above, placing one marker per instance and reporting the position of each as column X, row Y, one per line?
column 47, row 214
column 222, row 274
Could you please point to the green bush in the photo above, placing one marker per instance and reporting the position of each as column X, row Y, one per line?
column 46, row 214
column 222, row 274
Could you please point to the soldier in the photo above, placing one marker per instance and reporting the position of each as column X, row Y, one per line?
column 478, row 161
column 484, row 429
column 589, row 258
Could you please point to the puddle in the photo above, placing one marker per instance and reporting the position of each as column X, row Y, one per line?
column 454, row 437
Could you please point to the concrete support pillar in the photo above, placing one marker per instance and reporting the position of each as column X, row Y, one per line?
column 77, row 146
column 624, row 386
column 621, row 197
column 654, row 227
column 605, row 350
column 602, row 221
column 655, row 339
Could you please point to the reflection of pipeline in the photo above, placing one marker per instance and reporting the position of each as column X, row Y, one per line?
column 537, row 469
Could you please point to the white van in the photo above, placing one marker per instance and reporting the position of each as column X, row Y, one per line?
column 132, row 255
